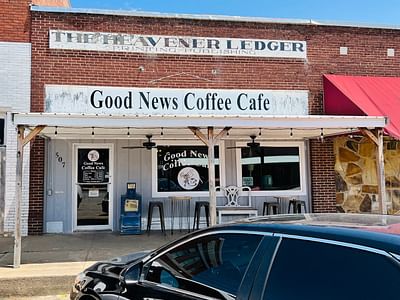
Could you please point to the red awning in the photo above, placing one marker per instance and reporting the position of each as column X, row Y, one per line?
column 361, row 95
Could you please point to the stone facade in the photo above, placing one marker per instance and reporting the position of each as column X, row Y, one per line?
column 356, row 175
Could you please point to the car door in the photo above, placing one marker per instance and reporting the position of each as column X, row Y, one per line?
column 317, row 269
column 210, row 266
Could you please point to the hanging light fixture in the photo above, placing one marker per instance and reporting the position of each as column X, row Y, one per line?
column 162, row 131
column 351, row 133
column 55, row 131
column 92, row 130
column 291, row 132
column 128, row 133
column 322, row 135
column 259, row 133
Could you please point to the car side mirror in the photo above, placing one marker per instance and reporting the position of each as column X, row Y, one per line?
column 131, row 274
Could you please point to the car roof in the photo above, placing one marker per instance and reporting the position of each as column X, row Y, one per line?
column 376, row 231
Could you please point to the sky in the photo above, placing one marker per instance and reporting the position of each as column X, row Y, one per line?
column 383, row 12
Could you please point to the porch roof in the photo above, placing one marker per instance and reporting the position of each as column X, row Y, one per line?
column 116, row 126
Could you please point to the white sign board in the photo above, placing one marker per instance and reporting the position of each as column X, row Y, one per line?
column 167, row 101
column 178, row 45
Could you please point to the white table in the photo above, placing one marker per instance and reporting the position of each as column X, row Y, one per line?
column 235, row 210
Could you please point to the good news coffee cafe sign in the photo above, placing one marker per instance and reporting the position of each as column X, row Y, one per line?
column 179, row 45
column 166, row 101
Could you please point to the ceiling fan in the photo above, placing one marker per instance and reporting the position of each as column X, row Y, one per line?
column 147, row 144
column 252, row 145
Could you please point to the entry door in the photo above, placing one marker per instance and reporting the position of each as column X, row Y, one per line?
column 93, row 202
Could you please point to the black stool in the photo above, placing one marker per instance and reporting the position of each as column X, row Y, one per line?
column 197, row 209
column 271, row 206
column 296, row 205
column 152, row 205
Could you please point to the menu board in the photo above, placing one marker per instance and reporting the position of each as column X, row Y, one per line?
column 93, row 165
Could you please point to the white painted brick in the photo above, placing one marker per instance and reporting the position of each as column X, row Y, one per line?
column 15, row 90
column 15, row 79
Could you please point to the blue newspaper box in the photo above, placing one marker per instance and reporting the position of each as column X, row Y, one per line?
column 131, row 211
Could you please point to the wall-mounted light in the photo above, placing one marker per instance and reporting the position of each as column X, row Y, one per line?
column 141, row 68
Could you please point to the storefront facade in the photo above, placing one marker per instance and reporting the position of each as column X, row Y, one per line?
column 146, row 74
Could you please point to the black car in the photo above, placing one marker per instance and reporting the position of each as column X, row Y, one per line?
column 332, row 256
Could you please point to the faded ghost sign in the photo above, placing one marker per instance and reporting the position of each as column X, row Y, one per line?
column 176, row 45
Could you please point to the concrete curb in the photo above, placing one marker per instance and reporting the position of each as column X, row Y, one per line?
column 36, row 286
column 39, row 279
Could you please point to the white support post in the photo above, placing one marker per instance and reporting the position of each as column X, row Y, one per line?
column 21, row 142
column 210, row 141
column 377, row 139
column 18, row 197
column 380, row 165
column 211, row 177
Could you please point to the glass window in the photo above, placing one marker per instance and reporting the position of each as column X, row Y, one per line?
column 217, row 261
column 271, row 168
column 310, row 270
column 184, row 168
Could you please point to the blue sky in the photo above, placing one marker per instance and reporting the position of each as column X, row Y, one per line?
column 384, row 12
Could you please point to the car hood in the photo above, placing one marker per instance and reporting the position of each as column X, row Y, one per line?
column 129, row 258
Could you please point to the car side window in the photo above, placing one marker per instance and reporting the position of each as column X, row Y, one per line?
column 218, row 261
column 311, row 270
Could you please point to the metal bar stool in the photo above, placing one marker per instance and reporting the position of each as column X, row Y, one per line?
column 271, row 208
column 152, row 205
column 296, row 206
column 197, row 211
column 180, row 208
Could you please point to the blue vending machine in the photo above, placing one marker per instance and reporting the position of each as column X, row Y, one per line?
column 131, row 211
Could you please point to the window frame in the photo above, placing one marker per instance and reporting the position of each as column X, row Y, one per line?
column 302, row 168
column 154, row 173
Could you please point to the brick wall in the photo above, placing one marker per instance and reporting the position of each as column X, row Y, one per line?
column 367, row 55
column 36, row 195
column 14, row 20
column 323, row 188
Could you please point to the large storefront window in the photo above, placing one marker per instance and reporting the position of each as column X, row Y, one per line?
column 271, row 168
column 184, row 168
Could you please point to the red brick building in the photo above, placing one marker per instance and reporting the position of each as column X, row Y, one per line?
column 112, row 61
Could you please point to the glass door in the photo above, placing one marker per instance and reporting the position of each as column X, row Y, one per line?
column 93, row 187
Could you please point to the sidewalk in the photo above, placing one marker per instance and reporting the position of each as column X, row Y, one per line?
column 50, row 262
